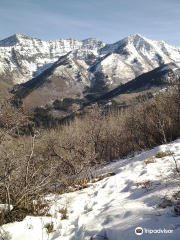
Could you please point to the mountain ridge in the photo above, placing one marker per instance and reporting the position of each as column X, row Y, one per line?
column 24, row 57
column 81, row 63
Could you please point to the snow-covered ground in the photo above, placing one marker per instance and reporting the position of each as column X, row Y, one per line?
column 139, row 195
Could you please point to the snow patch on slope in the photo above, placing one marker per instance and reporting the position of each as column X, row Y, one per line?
column 115, row 206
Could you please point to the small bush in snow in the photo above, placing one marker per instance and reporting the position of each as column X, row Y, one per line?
column 16, row 214
column 50, row 227
column 40, row 207
column 145, row 184
column 63, row 212
column 84, row 184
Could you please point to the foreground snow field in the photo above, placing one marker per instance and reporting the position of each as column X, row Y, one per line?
column 139, row 195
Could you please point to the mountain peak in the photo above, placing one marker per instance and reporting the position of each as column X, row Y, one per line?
column 135, row 35
column 19, row 35
column 91, row 39
column 13, row 40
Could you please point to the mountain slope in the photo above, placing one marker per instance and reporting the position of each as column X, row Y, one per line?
column 133, row 56
column 66, row 77
column 152, row 79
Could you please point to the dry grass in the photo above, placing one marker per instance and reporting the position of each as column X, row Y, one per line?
column 163, row 154
column 63, row 212
column 99, row 178
column 144, row 184
column 150, row 160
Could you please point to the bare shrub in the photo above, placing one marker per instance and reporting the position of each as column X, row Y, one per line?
column 26, row 174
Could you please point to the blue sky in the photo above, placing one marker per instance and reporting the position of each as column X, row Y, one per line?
column 107, row 20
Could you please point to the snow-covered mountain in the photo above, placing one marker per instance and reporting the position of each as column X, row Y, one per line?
column 132, row 56
column 23, row 57
column 72, row 65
